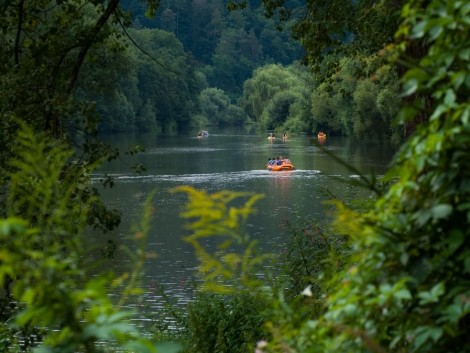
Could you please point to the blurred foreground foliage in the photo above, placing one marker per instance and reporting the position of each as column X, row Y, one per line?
column 50, row 300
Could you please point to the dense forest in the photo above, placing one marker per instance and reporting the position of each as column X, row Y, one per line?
column 188, row 61
column 236, row 68
column 390, row 274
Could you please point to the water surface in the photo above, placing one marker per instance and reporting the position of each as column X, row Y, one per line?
column 224, row 161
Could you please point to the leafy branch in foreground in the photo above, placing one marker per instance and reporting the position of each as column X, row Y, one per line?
column 43, row 267
column 407, row 288
column 229, row 314
column 220, row 216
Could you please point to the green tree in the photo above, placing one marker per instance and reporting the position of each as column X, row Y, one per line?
column 269, row 95
column 48, row 50
column 236, row 54
column 216, row 107
column 151, row 74
column 278, row 110
column 49, row 45
column 367, row 112
column 339, row 27
column 146, row 118
column 360, row 99
column 324, row 110
column 45, row 48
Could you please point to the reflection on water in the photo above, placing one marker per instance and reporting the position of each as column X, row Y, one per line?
column 223, row 162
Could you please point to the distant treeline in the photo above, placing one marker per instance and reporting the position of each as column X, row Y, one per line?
column 197, row 64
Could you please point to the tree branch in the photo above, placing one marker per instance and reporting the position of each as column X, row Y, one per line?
column 18, row 31
column 112, row 6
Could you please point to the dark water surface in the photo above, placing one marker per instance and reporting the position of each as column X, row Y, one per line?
column 223, row 161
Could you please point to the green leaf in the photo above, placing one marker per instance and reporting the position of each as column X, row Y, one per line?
column 455, row 240
column 454, row 312
column 419, row 29
column 424, row 333
column 435, row 31
column 458, row 78
column 433, row 295
column 423, row 216
column 440, row 109
column 410, row 87
column 402, row 294
column 464, row 54
column 441, row 211
column 109, row 326
column 465, row 256
column 449, row 97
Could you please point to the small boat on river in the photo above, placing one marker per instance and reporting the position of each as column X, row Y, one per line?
column 279, row 165
column 321, row 138
column 203, row 133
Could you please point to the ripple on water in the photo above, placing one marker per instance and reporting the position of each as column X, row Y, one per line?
column 172, row 150
column 228, row 177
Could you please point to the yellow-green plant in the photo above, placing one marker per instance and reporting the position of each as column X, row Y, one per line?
column 228, row 315
column 222, row 216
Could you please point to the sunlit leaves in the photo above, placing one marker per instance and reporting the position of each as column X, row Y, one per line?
column 222, row 216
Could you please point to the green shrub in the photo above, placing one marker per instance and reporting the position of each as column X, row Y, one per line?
column 310, row 255
column 226, row 323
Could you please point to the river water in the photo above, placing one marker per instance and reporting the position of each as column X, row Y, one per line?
column 226, row 160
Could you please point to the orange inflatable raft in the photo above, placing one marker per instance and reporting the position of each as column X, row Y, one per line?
column 284, row 166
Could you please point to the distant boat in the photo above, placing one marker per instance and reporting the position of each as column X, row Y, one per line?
column 321, row 137
column 203, row 133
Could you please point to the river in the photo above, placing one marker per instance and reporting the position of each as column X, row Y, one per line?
column 225, row 160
